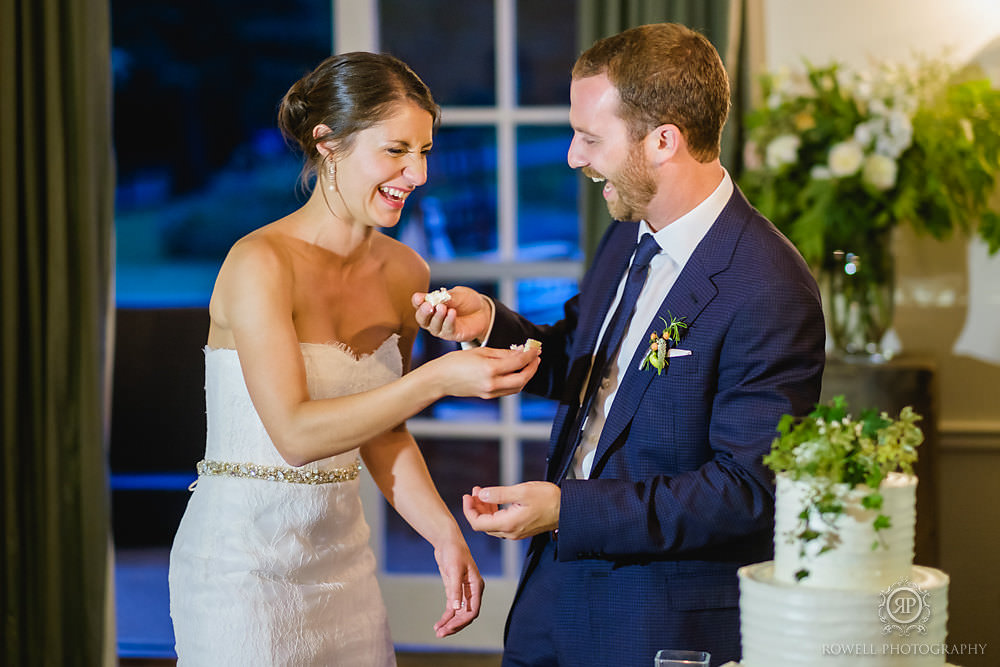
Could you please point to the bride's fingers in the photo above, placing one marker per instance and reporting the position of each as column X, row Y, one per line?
column 453, row 591
column 453, row 603
column 513, row 380
column 451, row 622
column 475, row 598
column 441, row 627
column 454, row 620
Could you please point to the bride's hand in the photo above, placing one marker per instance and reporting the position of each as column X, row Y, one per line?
column 463, row 587
column 485, row 372
column 465, row 317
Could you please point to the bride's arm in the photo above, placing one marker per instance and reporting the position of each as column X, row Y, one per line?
column 399, row 470
column 253, row 301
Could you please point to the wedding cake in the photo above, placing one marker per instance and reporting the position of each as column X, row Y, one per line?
column 842, row 588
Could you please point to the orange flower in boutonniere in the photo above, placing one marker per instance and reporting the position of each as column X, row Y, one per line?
column 660, row 344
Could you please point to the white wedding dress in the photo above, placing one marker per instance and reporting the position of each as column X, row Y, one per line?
column 272, row 572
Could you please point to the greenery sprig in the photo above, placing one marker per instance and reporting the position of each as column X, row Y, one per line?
column 836, row 454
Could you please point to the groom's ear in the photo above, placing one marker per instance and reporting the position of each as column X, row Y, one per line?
column 663, row 143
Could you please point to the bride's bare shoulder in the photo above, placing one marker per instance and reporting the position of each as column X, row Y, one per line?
column 263, row 249
column 257, row 265
column 404, row 263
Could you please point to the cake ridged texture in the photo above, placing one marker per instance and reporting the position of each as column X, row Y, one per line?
column 789, row 625
column 853, row 564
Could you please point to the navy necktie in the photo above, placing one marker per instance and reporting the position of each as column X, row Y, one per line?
column 646, row 249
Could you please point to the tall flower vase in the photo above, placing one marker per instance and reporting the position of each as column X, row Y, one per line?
column 857, row 287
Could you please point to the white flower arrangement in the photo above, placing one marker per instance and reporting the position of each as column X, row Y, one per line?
column 837, row 156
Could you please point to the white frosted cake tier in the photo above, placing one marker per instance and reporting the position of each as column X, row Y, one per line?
column 790, row 625
column 852, row 564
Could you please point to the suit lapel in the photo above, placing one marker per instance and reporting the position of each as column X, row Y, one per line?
column 691, row 293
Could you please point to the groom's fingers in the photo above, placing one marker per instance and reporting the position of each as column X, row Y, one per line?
column 498, row 495
column 528, row 509
column 497, row 524
column 473, row 508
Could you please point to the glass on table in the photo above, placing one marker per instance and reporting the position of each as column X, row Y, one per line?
column 674, row 658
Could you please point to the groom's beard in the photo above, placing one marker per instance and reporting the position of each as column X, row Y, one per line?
column 635, row 187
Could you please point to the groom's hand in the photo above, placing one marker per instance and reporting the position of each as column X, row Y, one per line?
column 464, row 318
column 528, row 509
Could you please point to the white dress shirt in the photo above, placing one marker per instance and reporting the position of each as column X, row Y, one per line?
column 678, row 241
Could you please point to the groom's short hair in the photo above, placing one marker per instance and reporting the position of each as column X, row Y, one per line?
column 665, row 73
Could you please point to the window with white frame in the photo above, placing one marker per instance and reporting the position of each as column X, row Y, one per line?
column 498, row 213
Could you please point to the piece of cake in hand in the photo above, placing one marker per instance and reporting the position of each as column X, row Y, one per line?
column 531, row 343
column 438, row 296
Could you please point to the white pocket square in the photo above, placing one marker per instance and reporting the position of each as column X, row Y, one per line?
column 677, row 352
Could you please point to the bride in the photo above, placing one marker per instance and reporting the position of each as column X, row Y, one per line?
column 307, row 375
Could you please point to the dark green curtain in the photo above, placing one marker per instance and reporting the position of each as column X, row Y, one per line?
column 712, row 18
column 56, row 207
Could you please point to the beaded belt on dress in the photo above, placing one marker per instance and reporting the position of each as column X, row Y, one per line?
column 280, row 473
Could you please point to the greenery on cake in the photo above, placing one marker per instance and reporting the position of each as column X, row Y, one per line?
column 834, row 454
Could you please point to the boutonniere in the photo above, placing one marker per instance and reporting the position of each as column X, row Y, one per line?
column 660, row 345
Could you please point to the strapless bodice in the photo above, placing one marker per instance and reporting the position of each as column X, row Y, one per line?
column 235, row 432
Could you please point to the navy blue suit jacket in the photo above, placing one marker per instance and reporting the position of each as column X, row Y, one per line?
column 678, row 498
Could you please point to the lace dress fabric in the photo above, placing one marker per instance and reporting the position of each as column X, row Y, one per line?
column 277, row 573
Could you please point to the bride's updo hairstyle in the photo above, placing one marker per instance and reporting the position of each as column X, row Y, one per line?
column 348, row 92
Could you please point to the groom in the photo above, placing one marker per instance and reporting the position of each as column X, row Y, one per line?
column 655, row 490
